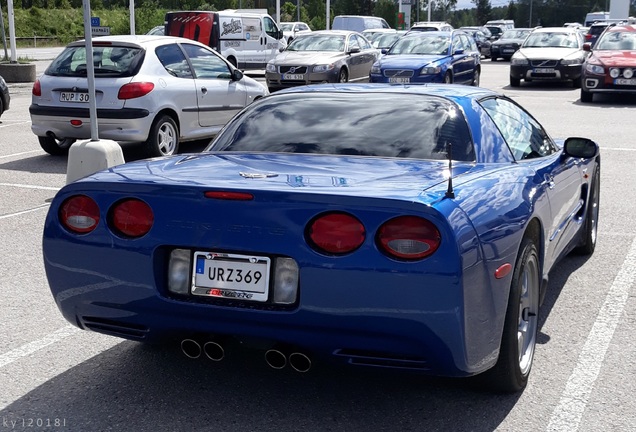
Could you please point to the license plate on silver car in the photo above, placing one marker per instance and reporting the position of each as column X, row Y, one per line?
column 543, row 70
column 232, row 276
column 74, row 97
column 293, row 77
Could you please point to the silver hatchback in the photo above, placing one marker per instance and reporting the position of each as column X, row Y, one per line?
column 156, row 90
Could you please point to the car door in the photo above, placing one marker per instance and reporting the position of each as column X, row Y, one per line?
column 363, row 59
column 555, row 176
column 219, row 98
column 461, row 61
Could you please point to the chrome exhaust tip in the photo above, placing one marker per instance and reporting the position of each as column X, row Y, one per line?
column 214, row 351
column 191, row 348
column 275, row 359
column 299, row 362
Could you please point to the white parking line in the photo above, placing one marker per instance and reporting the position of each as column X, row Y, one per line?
column 32, row 347
column 19, row 154
column 5, row 123
column 43, row 206
column 568, row 413
column 27, row 186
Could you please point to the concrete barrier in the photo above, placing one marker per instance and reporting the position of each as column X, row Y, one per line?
column 17, row 72
column 87, row 157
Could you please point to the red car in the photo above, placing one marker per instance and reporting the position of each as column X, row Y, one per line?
column 611, row 65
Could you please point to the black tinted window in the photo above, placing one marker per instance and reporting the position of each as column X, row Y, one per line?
column 402, row 126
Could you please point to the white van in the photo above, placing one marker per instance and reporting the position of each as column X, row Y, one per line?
column 247, row 39
column 592, row 17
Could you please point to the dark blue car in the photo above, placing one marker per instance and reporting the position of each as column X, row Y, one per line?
column 430, row 57
column 404, row 227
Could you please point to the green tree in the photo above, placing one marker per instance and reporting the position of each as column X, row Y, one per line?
column 483, row 11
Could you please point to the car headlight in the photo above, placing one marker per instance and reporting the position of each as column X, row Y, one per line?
column 323, row 68
column 571, row 61
column 519, row 61
column 595, row 69
column 375, row 69
column 270, row 67
column 628, row 73
column 615, row 72
column 430, row 70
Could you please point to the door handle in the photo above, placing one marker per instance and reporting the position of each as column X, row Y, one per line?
column 204, row 90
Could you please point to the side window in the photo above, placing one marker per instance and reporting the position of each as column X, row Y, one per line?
column 173, row 60
column 206, row 64
column 363, row 43
column 469, row 43
column 270, row 27
column 457, row 43
column 353, row 42
column 524, row 135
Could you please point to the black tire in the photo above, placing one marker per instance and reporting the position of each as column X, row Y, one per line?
column 510, row 373
column 448, row 78
column 163, row 139
column 1, row 107
column 476, row 77
column 493, row 58
column 343, row 76
column 586, row 96
column 54, row 146
column 515, row 82
column 589, row 233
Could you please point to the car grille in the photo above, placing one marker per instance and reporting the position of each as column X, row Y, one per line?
column 390, row 73
column 543, row 63
column 293, row 69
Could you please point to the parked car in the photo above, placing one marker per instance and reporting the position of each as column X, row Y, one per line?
column 595, row 30
column 482, row 41
column 385, row 41
column 431, row 26
column 449, row 57
column 157, row 90
column 373, row 34
column 611, row 66
column 322, row 56
column 159, row 30
column 496, row 31
column 5, row 96
column 508, row 43
column 358, row 23
column 402, row 227
column 482, row 29
column 549, row 54
column 293, row 29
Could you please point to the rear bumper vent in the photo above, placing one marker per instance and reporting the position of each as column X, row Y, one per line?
column 378, row 359
column 115, row 328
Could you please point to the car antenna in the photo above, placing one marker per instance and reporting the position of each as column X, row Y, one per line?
column 449, row 153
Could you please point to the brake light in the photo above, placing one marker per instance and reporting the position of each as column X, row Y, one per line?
column 79, row 214
column 335, row 233
column 37, row 88
column 131, row 218
column 232, row 196
column 408, row 238
column 135, row 90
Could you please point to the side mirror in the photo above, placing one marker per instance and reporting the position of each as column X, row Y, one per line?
column 580, row 148
column 354, row 50
column 280, row 34
column 458, row 52
column 587, row 47
column 384, row 50
column 237, row 75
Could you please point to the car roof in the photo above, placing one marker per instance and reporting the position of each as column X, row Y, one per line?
column 332, row 32
column 140, row 40
column 622, row 28
column 554, row 29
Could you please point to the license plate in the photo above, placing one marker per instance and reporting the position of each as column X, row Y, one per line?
column 293, row 76
column 508, row 50
column 543, row 70
column 399, row 80
column 623, row 81
column 74, row 97
column 232, row 276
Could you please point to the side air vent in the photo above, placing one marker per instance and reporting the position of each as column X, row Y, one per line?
column 378, row 359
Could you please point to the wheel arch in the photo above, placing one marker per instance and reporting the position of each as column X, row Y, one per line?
column 171, row 113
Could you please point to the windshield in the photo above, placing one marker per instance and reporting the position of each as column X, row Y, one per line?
column 422, row 44
column 286, row 27
column 551, row 40
column 515, row 34
column 386, row 40
column 110, row 61
column 624, row 41
column 350, row 124
column 318, row 43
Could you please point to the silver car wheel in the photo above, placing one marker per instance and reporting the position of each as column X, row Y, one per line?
column 166, row 139
column 528, row 313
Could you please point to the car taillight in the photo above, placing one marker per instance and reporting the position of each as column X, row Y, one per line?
column 135, row 90
column 588, row 36
column 131, row 218
column 336, row 233
column 79, row 214
column 37, row 88
column 408, row 238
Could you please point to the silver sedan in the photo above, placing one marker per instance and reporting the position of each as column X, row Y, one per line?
column 322, row 56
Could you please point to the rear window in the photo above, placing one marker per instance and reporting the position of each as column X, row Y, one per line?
column 408, row 126
column 108, row 61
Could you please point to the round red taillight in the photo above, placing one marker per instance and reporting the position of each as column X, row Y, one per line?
column 131, row 218
column 79, row 214
column 408, row 238
column 336, row 233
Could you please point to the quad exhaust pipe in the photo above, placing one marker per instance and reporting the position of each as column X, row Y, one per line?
column 193, row 349
column 277, row 359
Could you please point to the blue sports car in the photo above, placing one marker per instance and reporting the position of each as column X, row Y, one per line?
column 404, row 227
column 430, row 57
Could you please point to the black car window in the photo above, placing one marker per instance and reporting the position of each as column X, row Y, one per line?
column 173, row 60
column 205, row 63
column 524, row 135
column 408, row 126
column 353, row 42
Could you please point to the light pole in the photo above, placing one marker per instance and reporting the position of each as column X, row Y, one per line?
column 530, row 19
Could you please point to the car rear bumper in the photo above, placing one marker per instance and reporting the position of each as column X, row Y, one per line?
column 123, row 125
